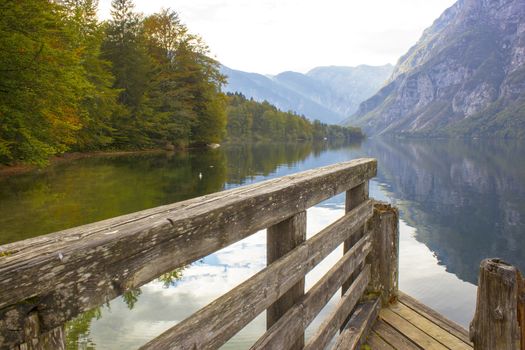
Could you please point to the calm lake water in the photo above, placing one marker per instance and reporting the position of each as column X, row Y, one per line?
column 460, row 201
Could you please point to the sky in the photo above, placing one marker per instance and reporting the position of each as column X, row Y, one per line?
column 272, row 36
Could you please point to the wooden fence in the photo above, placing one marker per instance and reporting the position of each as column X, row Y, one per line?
column 48, row 280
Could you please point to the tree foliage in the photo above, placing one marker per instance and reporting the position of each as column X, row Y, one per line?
column 251, row 120
column 71, row 82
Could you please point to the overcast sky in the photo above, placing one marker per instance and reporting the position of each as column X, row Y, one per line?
column 271, row 36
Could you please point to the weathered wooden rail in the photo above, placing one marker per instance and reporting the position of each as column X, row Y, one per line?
column 48, row 280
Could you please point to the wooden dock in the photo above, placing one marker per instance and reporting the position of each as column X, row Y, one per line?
column 47, row 281
column 410, row 325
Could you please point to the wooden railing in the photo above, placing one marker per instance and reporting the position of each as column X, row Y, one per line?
column 48, row 280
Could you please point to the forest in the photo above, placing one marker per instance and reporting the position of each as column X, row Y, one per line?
column 249, row 120
column 70, row 82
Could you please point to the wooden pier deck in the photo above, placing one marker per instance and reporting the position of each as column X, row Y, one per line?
column 411, row 325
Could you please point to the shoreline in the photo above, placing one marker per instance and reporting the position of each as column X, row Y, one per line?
column 17, row 169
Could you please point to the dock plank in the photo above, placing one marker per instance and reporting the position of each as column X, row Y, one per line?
column 377, row 343
column 435, row 317
column 408, row 330
column 393, row 337
column 410, row 325
column 430, row 328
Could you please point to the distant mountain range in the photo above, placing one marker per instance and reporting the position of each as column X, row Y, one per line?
column 329, row 94
column 464, row 77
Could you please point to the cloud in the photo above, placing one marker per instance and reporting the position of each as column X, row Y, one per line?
column 270, row 36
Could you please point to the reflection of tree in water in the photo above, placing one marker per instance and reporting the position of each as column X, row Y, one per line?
column 247, row 160
column 78, row 329
column 466, row 198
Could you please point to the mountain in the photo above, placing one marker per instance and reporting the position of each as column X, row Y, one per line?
column 464, row 77
column 329, row 94
column 351, row 85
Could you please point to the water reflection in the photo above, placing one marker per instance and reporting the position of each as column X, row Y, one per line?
column 466, row 198
column 460, row 201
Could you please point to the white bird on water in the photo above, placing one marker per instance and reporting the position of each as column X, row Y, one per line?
column 200, row 176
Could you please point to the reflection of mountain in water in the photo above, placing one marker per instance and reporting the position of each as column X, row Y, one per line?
column 466, row 198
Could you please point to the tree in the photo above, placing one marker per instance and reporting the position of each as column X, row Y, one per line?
column 185, row 94
column 100, row 100
column 41, row 82
column 131, row 66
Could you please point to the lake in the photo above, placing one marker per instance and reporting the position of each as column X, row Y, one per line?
column 460, row 201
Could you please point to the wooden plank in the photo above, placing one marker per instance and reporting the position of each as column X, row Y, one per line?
column 217, row 322
column 495, row 324
column 280, row 240
column 434, row 317
column 377, row 343
column 353, row 198
column 362, row 320
column 293, row 323
column 393, row 337
column 436, row 332
column 408, row 330
column 328, row 329
column 71, row 271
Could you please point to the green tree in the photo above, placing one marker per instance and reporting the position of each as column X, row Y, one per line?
column 185, row 93
column 100, row 101
column 41, row 82
column 124, row 47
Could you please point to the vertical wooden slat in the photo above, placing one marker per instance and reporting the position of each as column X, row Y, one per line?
column 281, row 239
column 384, row 257
column 354, row 197
column 495, row 324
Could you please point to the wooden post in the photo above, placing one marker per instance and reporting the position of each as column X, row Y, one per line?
column 281, row 239
column 354, row 197
column 384, row 257
column 496, row 324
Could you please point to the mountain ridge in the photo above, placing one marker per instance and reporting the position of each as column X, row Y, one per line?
column 464, row 77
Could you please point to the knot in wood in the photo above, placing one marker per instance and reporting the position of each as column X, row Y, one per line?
column 498, row 313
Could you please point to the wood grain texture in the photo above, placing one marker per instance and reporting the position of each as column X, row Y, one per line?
column 377, row 343
column 393, row 337
column 416, row 335
column 495, row 324
column 356, row 331
column 283, row 334
column 384, row 257
column 430, row 328
column 217, row 322
column 353, row 198
column 435, row 317
column 333, row 322
column 280, row 240
column 68, row 272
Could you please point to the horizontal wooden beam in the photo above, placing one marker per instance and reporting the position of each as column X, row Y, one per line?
column 217, row 322
column 331, row 325
column 357, row 329
column 63, row 274
column 284, row 333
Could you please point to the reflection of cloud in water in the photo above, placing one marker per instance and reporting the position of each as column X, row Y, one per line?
column 159, row 308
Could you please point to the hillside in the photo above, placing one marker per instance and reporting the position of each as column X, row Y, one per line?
column 464, row 77
column 328, row 94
